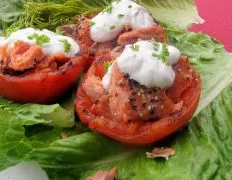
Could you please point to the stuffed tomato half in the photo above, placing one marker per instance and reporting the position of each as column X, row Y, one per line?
column 38, row 66
column 139, row 89
column 134, row 96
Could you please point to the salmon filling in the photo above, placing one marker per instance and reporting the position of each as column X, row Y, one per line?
column 127, row 100
column 24, row 58
column 132, row 113
column 39, row 73
column 128, row 111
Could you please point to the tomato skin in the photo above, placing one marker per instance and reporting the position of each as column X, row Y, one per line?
column 140, row 132
column 40, row 87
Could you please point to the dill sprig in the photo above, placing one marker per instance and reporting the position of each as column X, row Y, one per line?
column 51, row 14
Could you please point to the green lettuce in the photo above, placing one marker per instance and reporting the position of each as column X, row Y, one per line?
column 42, row 133
column 203, row 150
column 178, row 13
column 31, row 114
column 209, row 59
column 10, row 11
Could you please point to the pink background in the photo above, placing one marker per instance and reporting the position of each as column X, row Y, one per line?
column 218, row 20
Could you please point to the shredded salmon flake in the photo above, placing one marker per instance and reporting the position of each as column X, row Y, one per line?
column 162, row 152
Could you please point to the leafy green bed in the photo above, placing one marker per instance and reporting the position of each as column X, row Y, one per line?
column 34, row 132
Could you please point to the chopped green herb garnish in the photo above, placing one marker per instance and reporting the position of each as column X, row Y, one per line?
column 107, row 65
column 112, row 27
column 91, row 23
column 156, row 46
column 108, row 9
column 135, row 47
column 67, row 45
column 156, row 55
column 163, row 55
column 130, row 6
column 33, row 36
column 121, row 15
column 59, row 32
column 40, row 39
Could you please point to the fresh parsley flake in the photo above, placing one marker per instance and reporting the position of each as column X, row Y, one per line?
column 40, row 39
column 121, row 16
column 107, row 65
column 91, row 23
column 156, row 46
column 67, row 45
column 164, row 53
column 156, row 55
column 130, row 6
column 135, row 47
column 112, row 27
column 33, row 36
column 59, row 32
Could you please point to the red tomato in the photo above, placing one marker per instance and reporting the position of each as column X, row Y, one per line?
column 41, row 87
column 185, row 92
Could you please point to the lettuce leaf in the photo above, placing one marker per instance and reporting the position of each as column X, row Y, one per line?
column 203, row 151
column 31, row 114
column 178, row 13
column 10, row 10
column 209, row 59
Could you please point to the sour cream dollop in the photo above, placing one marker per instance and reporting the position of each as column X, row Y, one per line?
column 143, row 63
column 55, row 44
column 108, row 24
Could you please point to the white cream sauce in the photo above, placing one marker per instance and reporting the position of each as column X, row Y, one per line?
column 54, row 45
column 139, row 62
column 108, row 24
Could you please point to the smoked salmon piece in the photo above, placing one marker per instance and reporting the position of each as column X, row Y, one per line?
column 156, row 33
column 24, row 56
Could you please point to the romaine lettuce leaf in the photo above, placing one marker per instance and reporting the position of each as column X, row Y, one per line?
column 203, row 151
column 32, row 114
column 177, row 13
column 10, row 10
column 210, row 60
